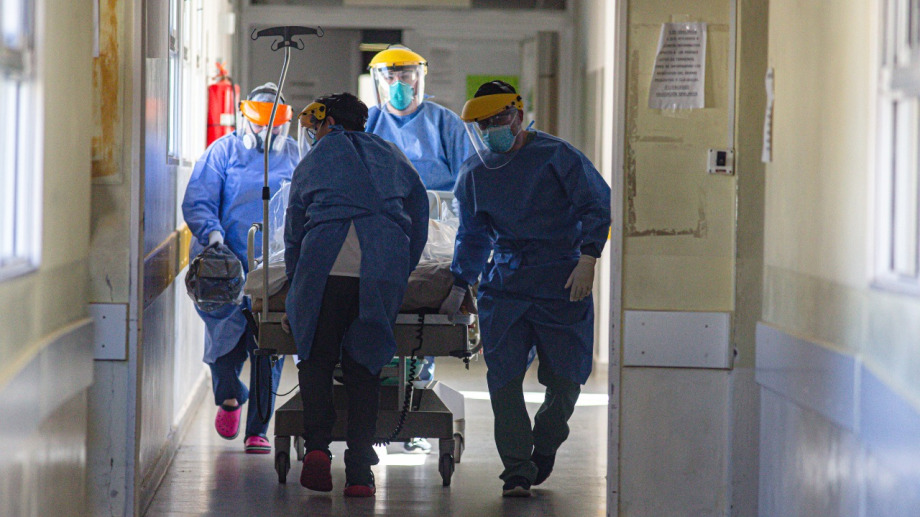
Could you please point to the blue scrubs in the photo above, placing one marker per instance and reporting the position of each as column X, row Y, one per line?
column 351, row 177
column 538, row 214
column 224, row 194
column 435, row 141
column 432, row 137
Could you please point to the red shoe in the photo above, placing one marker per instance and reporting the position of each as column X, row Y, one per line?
column 360, row 490
column 364, row 488
column 227, row 422
column 257, row 445
column 317, row 471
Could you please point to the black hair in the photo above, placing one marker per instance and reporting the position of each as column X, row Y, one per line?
column 346, row 109
column 494, row 87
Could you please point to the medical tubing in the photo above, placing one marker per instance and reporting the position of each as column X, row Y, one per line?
column 287, row 393
column 407, row 399
column 256, row 383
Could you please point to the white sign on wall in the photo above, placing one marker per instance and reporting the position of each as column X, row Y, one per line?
column 679, row 78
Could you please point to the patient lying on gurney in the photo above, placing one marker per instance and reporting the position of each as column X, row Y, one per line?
column 429, row 283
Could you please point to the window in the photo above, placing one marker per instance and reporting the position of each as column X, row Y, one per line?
column 172, row 116
column 897, row 260
column 20, row 179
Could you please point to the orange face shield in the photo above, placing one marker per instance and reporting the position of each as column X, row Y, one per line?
column 259, row 113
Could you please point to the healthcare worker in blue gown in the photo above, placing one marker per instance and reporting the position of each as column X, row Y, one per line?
column 222, row 201
column 431, row 136
column 541, row 209
column 356, row 224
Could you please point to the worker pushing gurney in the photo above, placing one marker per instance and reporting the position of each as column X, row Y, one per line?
column 356, row 224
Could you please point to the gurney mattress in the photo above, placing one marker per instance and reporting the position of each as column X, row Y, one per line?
column 428, row 285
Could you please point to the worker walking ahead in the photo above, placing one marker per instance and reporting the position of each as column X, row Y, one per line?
column 221, row 202
column 432, row 137
column 356, row 224
column 543, row 209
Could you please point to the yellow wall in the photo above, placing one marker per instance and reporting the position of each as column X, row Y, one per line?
column 679, row 220
column 35, row 305
column 110, row 255
column 818, row 195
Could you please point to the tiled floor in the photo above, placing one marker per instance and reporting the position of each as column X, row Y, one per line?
column 212, row 476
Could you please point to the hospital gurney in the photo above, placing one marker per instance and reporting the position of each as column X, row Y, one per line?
column 408, row 409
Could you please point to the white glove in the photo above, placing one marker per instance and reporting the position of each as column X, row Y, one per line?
column 451, row 304
column 215, row 237
column 582, row 278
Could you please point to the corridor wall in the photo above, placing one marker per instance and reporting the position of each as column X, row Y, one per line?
column 46, row 341
column 837, row 352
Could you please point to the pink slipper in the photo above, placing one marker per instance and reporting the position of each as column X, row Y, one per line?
column 257, row 445
column 227, row 422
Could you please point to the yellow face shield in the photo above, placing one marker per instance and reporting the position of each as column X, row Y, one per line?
column 313, row 113
column 311, row 116
column 399, row 78
column 481, row 108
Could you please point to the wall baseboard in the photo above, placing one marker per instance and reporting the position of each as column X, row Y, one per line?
column 841, row 388
column 812, row 375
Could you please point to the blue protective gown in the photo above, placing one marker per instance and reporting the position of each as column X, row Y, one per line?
column 225, row 194
column 538, row 213
column 354, row 177
column 432, row 137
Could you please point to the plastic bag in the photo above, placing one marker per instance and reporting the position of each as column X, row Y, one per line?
column 441, row 236
column 277, row 208
column 215, row 278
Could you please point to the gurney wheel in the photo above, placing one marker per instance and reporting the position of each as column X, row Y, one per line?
column 459, row 446
column 282, row 466
column 446, row 468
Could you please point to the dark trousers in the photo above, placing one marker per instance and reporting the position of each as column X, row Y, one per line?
column 515, row 438
column 226, row 383
column 339, row 309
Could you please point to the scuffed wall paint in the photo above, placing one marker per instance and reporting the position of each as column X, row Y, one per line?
column 679, row 221
column 110, row 252
column 107, row 94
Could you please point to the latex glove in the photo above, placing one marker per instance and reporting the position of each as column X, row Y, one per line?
column 215, row 238
column 285, row 324
column 451, row 304
column 582, row 278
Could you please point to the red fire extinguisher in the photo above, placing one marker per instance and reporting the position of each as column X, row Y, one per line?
column 222, row 101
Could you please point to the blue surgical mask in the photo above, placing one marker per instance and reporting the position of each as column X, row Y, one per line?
column 499, row 139
column 401, row 95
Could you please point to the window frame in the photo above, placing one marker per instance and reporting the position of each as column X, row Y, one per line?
column 21, row 224
column 897, row 179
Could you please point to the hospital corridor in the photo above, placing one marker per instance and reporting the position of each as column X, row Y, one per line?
column 472, row 258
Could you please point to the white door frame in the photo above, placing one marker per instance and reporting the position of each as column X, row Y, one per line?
column 615, row 62
column 488, row 23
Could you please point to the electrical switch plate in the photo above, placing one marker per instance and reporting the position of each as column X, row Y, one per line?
column 110, row 331
column 721, row 161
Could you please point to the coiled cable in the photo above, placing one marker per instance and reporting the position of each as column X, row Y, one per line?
column 407, row 398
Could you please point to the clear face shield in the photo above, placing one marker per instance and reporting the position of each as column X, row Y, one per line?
column 308, row 123
column 256, row 116
column 494, row 138
column 306, row 137
column 402, row 87
column 254, row 136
